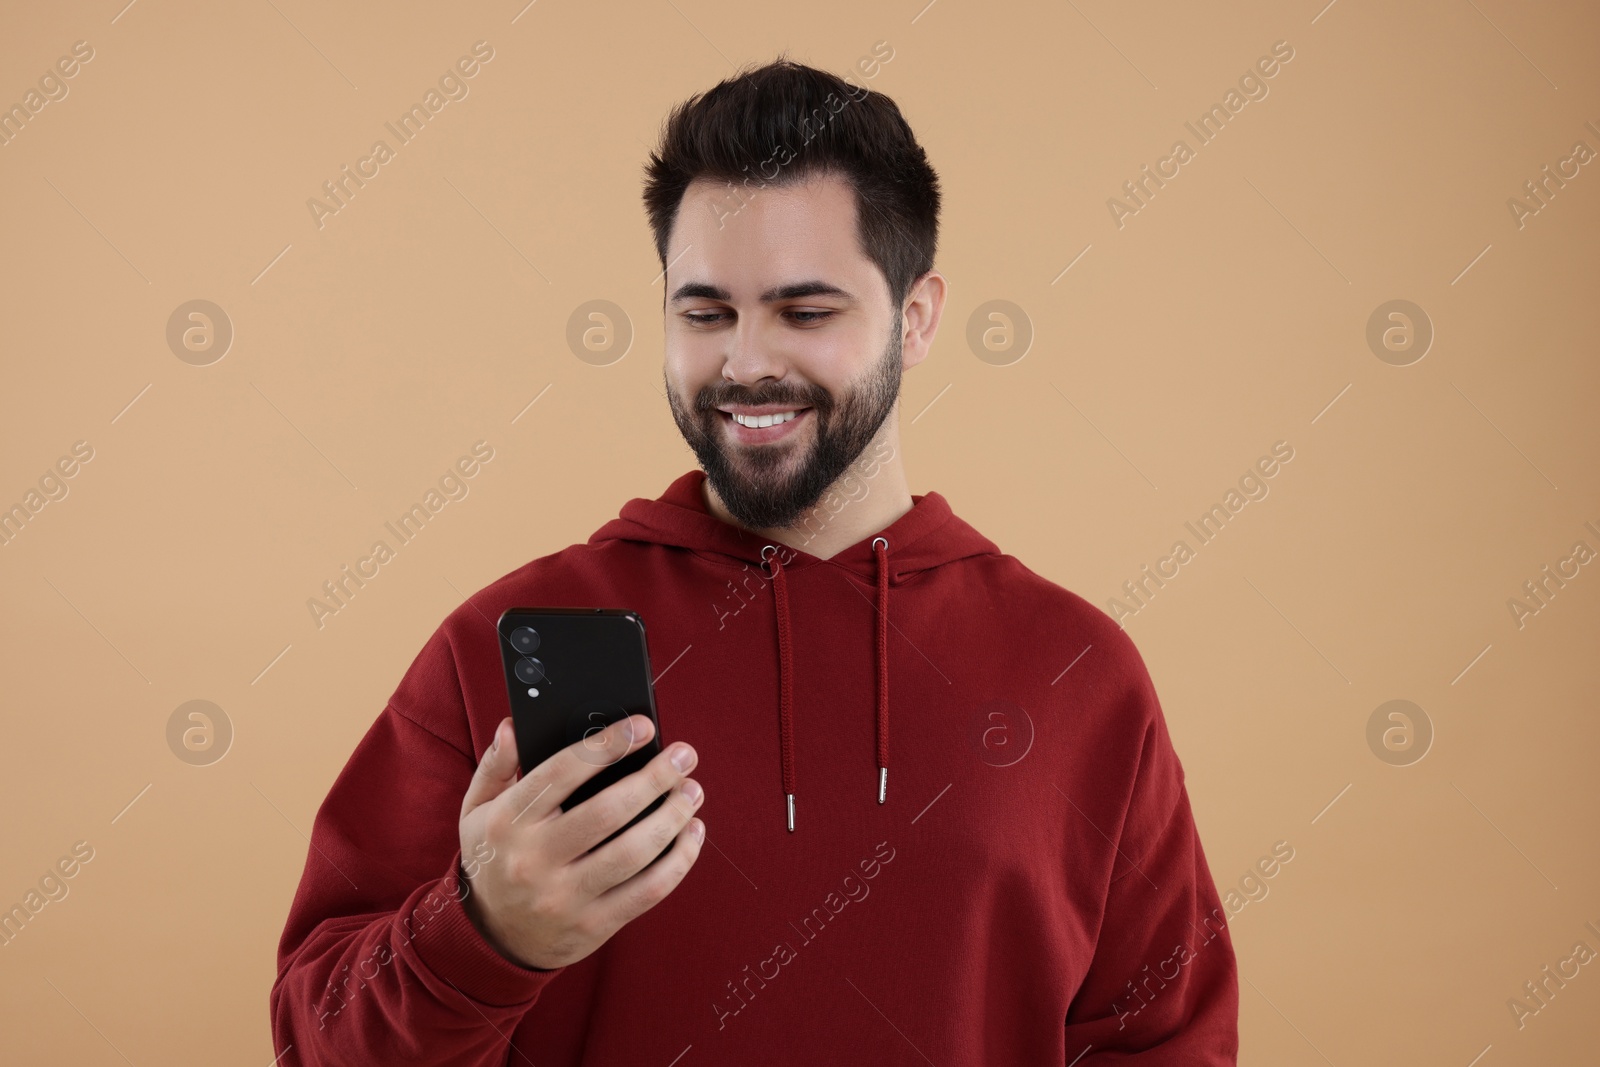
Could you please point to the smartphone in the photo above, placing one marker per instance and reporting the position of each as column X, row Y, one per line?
column 570, row 673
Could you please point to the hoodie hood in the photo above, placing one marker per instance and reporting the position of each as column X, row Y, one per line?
column 929, row 535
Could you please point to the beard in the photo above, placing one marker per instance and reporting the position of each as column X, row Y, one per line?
column 766, row 486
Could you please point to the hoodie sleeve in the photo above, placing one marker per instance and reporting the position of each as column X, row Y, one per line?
column 379, row 962
column 1162, row 988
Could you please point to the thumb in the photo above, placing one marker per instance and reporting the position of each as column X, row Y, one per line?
column 497, row 771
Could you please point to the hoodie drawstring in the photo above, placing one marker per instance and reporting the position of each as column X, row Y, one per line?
column 780, row 595
column 771, row 555
column 880, row 548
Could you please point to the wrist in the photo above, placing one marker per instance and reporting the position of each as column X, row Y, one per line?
column 470, row 903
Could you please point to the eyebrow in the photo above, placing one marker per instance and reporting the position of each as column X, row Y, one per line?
column 705, row 291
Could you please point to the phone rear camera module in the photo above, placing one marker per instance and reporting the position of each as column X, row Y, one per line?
column 529, row 671
column 525, row 639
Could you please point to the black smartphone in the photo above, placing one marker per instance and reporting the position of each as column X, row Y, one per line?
column 570, row 673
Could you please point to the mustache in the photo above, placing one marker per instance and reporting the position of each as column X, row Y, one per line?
column 713, row 397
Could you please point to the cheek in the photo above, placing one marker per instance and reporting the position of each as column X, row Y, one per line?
column 690, row 364
column 844, row 359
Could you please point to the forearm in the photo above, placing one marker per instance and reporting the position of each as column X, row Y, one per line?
column 416, row 983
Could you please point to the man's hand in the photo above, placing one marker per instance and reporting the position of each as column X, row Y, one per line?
column 542, row 900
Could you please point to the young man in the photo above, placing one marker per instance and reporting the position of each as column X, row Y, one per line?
column 1028, row 887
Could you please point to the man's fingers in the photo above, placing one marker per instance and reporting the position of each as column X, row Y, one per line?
column 610, row 809
column 497, row 771
column 543, row 788
column 635, row 848
column 623, row 903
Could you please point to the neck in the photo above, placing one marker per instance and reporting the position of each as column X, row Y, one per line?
column 865, row 500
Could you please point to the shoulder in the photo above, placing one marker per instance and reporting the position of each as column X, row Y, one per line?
column 566, row 576
column 1053, row 613
column 445, row 681
column 1082, row 663
column 1110, row 702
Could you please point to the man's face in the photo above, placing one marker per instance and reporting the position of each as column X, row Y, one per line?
column 773, row 310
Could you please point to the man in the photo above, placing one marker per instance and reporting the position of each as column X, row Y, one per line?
column 1028, row 887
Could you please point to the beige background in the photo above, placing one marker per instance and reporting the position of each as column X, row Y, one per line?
column 1228, row 314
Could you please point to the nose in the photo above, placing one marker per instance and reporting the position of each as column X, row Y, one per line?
column 750, row 357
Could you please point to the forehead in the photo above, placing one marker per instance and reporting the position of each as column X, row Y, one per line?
column 777, row 234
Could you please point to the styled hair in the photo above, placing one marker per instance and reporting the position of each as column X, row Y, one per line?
column 782, row 123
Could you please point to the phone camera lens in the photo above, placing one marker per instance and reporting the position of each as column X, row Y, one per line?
column 525, row 639
column 529, row 671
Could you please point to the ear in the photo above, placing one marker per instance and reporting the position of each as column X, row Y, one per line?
column 920, row 317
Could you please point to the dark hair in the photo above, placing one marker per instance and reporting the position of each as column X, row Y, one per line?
column 800, row 121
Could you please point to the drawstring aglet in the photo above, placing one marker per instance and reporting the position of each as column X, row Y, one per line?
column 791, row 812
column 883, row 783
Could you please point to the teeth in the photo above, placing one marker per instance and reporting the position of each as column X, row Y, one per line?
column 759, row 421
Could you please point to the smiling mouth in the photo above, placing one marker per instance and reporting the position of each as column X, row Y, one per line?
column 761, row 422
column 768, row 426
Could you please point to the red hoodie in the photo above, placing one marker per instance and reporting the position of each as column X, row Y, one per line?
column 1028, row 889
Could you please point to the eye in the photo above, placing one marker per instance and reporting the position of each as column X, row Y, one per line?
column 811, row 318
column 799, row 317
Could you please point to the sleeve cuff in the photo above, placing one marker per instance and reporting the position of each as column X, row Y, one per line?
column 450, row 946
